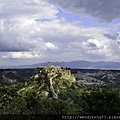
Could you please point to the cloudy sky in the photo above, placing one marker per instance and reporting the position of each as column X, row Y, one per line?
column 35, row 31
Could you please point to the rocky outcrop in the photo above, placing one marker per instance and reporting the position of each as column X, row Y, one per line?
column 48, row 82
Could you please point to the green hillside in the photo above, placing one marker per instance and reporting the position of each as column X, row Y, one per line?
column 53, row 90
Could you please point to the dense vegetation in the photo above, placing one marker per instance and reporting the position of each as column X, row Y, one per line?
column 74, row 99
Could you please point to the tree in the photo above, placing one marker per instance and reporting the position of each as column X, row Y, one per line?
column 103, row 101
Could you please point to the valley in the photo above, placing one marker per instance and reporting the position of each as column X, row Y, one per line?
column 85, row 77
column 54, row 90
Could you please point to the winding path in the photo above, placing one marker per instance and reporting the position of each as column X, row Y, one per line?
column 52, row 89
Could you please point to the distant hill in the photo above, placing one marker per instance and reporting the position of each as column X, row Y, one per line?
column 12, row 76
column 75, row 64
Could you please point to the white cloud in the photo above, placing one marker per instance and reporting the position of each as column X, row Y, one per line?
column 26, row 9
column 18, row 23
column 33, row 31
column 57, row 37
column 22, row 55
column 50, row 46
column 93, row 43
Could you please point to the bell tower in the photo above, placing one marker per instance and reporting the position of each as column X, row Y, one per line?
column 49, row 64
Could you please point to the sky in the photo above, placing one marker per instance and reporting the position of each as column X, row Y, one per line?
column 36, row 31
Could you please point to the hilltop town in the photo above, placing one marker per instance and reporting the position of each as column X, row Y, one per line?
column 54, row 71
column 53, row 74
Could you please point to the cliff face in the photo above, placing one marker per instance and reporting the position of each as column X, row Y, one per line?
column 48, row 81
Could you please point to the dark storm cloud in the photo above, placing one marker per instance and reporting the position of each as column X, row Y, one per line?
column 13, row 47
column 6, row 48
column 11, row 41
column 102, row 10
